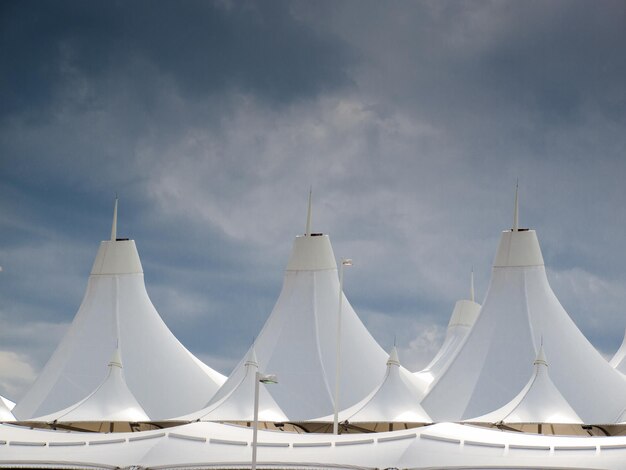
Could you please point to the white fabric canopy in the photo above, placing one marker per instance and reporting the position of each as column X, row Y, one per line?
column 461, row 321
column 539, row 402
column 238, row 404
column 298, row 342
column 492, row 364
column 162, row 374
column 111, row 401
column 395, row 400
column 5, row 413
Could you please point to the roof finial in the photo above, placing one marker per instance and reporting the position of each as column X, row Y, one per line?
column 516, row 210
column 308, row 214
column 472, row 285
column 114, row 225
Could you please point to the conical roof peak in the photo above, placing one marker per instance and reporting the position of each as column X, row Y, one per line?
column 312, row 253
column 393, row 357
column 519, row 305
column 304, row 322
column 115, row 311
column 519, row 248
column 395, row 399
column 540, row 401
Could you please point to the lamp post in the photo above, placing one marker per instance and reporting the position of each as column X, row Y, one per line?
column 344, row 262
column 266, row 379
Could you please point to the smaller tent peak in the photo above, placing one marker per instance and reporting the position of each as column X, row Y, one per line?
column 114, row 224
column 308, row 214
column 393, row 357
column 251, row 360
column 541, row 357
column 116, row 359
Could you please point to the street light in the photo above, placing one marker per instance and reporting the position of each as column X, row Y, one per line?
column 344, row 262
column 265, row 379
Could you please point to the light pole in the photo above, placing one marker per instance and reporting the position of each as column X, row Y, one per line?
column 266, row 379
column 344, row 262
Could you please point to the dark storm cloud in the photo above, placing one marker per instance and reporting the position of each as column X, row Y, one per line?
column 201, row 47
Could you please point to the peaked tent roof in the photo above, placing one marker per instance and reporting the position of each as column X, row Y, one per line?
column 539, row 402
column 116, row 311
column 5, row 413
column 298, row 342
column 461, row 321
column 6, row 402
column 395, row 400
column 111, row 401
column 492, row 362
column 238, row 404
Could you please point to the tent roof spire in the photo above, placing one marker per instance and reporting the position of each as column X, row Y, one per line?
column 251, row 359
column 308, row 214
column 114, row 224
column 393, row 357
column 472, row 297
column 516, row 210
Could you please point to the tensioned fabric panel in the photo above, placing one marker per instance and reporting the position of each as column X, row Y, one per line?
column 117, row 312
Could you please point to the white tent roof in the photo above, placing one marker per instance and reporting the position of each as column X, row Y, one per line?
column 5, row 412
column 395, row 400
column 8, row 403
column 461, row 321
column 492, row 363
column 161, row 373
column 539, row 402
column 238, row 405
column 298, row 342
column 619, row 359
column 111, row 401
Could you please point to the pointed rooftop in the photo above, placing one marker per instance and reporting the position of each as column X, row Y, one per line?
column 238, row 404
column 298, row 341
column 395, row 400
column 493, row 360
column 6, row 415
column 110, row 401
column 463, row 317
column 539, row 402
column 166, row 379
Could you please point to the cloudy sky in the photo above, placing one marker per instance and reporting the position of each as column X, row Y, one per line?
column 211, row 120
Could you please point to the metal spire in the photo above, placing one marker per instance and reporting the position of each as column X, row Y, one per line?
column 114, row 225
column 308, row 214
column 472, row 285
column 516, row 210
